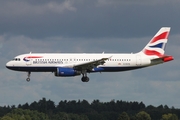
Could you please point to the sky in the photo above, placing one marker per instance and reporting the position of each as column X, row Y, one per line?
column 89, row 26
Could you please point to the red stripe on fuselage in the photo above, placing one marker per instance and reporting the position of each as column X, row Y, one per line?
column 34, row 57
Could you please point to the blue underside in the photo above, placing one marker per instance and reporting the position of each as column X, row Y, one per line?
column 53, row 69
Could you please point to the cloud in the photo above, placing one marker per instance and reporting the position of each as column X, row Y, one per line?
column 24, row 8
column 85, row 19
column 137, row 2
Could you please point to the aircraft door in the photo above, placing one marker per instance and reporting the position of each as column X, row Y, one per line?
column 138, row 60
column 29, row 62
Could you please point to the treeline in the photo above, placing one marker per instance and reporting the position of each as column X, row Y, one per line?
column 83, row 110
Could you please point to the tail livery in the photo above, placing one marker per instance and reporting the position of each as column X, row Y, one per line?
column 157, row 44
column 155, row 49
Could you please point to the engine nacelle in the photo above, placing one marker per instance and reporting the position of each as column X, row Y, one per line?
column 65, row 72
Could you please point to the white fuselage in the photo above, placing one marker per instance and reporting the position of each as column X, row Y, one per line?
column 41, row 62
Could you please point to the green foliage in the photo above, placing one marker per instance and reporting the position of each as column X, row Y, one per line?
column 169, row 116
column 96, row 116
column 61, row 116
column 6, row 118
column 143, row 116
column 83, row 110
column 123, row 116
column 20, row 114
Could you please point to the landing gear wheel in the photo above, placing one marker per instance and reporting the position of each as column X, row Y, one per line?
column 84, row 76
column 28, row 79
column 85, row 79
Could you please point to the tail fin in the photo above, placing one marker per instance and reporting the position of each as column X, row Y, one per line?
column 156, row 46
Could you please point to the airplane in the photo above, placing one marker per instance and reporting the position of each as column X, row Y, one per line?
column 74, row 64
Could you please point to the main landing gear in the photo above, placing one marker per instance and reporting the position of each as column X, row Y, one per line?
column 84, row 77
column 28, row 79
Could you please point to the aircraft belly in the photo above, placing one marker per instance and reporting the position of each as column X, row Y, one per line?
column 118, row 69
column 33, row 69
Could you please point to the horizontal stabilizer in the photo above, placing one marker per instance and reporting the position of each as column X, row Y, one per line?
column 162, row 59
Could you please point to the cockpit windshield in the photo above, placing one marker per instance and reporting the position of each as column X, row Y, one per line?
column 16, row 59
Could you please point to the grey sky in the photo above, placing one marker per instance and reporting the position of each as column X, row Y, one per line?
column 89, row 26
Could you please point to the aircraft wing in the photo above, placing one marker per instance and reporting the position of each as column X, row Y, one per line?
column 90, row 65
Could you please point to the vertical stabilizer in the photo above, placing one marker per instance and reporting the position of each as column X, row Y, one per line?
column 157, row 44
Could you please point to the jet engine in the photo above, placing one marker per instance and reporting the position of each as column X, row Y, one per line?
column 65, row 72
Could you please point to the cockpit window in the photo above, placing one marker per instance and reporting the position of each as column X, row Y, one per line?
column 16, row 59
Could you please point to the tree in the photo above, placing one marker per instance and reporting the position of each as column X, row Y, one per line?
column 6, row 118
column 169, row 116
column 20, row 114
column 77, row 117
column 25, row 106
column 143, row 116
column 61, row 116
column 123, row 116
column 96, row 116
column 33, row 106
column 166, row 107
column 42, row 105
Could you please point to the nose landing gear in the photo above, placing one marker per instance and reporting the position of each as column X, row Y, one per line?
column 28, row 79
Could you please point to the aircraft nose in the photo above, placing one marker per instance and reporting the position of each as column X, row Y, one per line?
column 8, row 64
